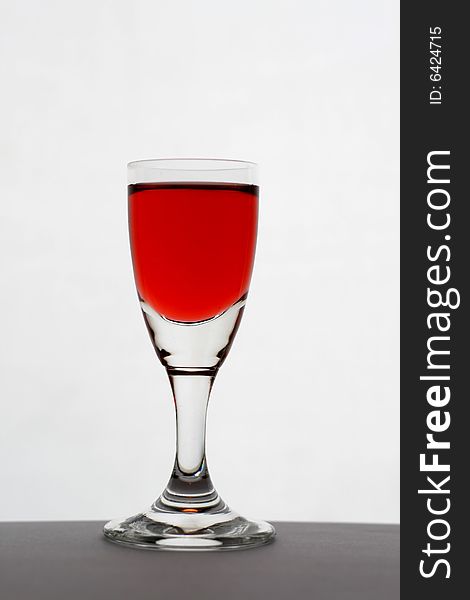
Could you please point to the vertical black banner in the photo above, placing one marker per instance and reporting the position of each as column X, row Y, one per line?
column 435, row 252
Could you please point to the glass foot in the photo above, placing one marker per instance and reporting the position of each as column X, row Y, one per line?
column 167, row 530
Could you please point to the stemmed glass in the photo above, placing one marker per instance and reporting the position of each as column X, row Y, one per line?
column 192, row 225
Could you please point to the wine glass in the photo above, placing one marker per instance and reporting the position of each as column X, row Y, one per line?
column 192, row 226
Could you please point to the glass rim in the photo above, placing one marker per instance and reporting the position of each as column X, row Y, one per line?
column 176, row 164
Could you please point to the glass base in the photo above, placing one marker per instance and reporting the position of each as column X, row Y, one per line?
column 167, row 530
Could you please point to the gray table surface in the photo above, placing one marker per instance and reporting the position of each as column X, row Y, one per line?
column 318, row 561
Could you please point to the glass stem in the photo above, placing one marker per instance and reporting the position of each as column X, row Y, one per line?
column 190, row 487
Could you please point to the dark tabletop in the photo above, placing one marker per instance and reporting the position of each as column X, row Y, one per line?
column 318, row 561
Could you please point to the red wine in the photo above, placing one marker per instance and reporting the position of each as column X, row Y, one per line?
column 193, row 246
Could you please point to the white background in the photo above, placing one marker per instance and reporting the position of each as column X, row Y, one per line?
column 303, row 421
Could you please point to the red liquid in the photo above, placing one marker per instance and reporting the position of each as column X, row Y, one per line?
column 193, row 246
